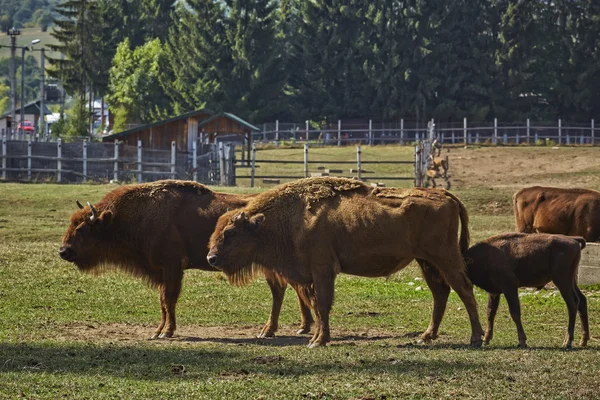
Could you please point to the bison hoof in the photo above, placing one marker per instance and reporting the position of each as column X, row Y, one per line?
column 267, row 334
column 304, row 330
column 165, row 335
column 476, row 344
column 427, row 337
column 522, row 345
column 583, row 343
column 155, row 336
column 316, row 343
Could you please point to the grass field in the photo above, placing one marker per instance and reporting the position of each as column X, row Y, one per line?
column 27, row 35
column 68, row 335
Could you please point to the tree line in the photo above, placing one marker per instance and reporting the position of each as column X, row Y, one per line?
column 333, row 59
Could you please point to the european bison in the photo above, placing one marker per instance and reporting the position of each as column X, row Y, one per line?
column 155, row 231
column 573, row 212
column 313, row 229
column 504, row 263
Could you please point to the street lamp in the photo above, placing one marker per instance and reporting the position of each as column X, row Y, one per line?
column 23, row 50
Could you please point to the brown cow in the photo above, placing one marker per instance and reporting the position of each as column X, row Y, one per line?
column 155, row 231
column 573, row 212
column 312, row 229
column 504, row 263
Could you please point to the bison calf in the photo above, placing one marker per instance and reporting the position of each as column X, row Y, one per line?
column 503, row 263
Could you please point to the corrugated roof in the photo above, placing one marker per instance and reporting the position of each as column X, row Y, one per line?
column 153, row 124
column 230, row 116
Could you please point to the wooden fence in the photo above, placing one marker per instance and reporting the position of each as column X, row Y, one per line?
column 420, row 164
column 405, row 132
column 82, row 161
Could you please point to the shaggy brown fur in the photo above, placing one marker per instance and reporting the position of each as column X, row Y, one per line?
column 504, row 263
column 573, row 212
column 312, row 229
column 155, row 231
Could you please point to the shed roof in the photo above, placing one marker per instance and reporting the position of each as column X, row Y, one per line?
column 30, row 108
column 232, row 117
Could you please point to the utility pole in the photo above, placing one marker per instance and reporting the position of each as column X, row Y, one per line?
column 13, row 33
column 42, row 123
column 23, row 50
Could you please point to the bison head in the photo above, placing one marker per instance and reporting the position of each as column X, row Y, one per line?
column 233, row 245
column 86, row 231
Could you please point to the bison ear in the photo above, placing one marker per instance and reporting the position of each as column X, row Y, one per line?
column 257, row 220
column 106, row 217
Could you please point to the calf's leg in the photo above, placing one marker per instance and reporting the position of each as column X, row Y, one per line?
column 583, row 315
column 277, row 292
column 323, row 284
column 492, row 308
column 305, row 310
column 440, row 291
column 169, row 295
column 571, row 300
column 514, row 306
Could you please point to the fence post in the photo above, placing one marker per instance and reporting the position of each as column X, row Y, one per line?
column 59, row 160
column 306, row 160
column 528, row 128
column 339, row 133
column 402, row 130
column 517, row 138
column 116, row 162
column 84, row 157
column 139, row 160
column 277, row 130
column 418, row 150
column 469, row 138
column 370, row 132
column 221, row 164
column 194, row 160
column 358, row 162
column 3, row 156
column 173, row 159
column 592, row 132
column 559, row 131
column 495, row 131
column 253, row 165
column 465, row 130
column 452, row 137
column 477, row 137
column 29, row 159
column 306, row 138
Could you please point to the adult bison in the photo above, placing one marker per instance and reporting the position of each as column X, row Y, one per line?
column 572, row 212
column 312, row 229
column 156, row 231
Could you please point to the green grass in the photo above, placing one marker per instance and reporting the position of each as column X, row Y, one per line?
column 68, row 335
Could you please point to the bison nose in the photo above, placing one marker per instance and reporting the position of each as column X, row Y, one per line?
column 66, row 253
column 213, row 260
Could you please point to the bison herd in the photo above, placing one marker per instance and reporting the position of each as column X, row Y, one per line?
column 306, row 232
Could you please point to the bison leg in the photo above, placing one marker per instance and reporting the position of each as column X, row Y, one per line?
column 514, row 306
column 170, row 290
column 277, row 287
column 492, row 308
column 304, row 300
column 323, row 288
column 571, row 300
column 163, row 316
column 583, row 315
column 440, row 291
column 454, row 273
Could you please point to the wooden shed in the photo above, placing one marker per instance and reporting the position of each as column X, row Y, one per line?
column 186, row 128
column 182, row 129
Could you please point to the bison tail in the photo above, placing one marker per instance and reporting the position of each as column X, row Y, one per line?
column 581, row 241
column 465, row 237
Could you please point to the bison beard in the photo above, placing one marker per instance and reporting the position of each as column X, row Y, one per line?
column 503, row 263
column 155, row 231
column 311, row 230
column 573, row 212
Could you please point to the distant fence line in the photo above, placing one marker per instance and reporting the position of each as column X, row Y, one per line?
column 82, row 161
column 351, row 132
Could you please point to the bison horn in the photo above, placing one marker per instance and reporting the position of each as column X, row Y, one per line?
column 79, row 204
column 94, row 212
column 241, row 216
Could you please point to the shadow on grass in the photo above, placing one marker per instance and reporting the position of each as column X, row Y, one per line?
column 160, row 363
column 284, row 340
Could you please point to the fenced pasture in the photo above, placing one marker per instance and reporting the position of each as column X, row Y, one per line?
column 392, row 165
column 69, row 335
